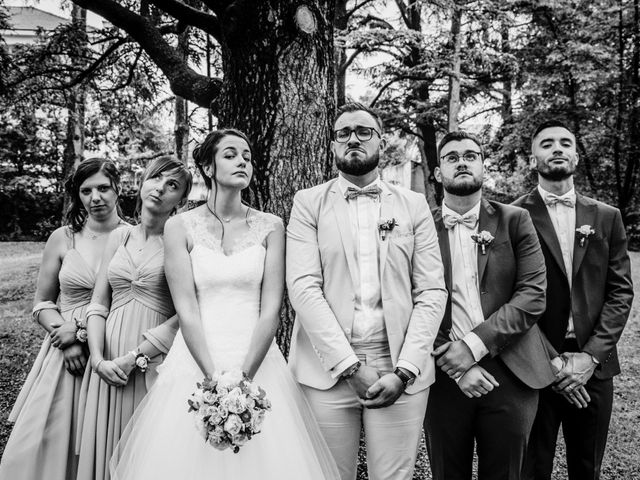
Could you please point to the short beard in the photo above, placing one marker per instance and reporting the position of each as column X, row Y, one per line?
column 356, row 167
column 556, row 175
column 462, row 189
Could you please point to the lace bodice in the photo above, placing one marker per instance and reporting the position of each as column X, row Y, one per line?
column 228, row 286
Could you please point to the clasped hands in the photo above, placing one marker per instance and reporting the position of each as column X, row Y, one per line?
column 456, row 360
column 374, row 389
column 63, row 337
column 116, row 372
column 573, row 370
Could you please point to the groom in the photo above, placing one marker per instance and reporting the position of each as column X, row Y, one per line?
column 365, row 277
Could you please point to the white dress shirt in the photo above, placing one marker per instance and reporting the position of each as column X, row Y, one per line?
column 466, row 309
column 368, row 320
column 564, row 223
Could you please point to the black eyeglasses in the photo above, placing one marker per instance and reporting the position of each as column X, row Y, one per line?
column 362, row 133
column 454, row 157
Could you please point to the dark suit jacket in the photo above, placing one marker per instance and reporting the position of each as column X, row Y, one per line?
column 512, row 291
column 601, row 293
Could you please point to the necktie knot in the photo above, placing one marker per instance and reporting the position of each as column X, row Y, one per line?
column 372, row 191
column 552, row 199
column 469, row 220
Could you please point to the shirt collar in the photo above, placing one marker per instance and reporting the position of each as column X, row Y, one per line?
column 473, row 210
column 544, row 194
column 343, row 184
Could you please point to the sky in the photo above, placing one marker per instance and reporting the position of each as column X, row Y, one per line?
column 54, row 6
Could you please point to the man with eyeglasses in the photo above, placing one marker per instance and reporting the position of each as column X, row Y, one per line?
column 490, row 353
column 365, row 278
column 589, row 295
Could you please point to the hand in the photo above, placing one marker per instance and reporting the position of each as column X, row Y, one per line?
column 557, row 364
column 126, row 362
column 75, row 359
column 384, row 392
column 577, row 371
column 579, row 397
column 455, row 358
column 363, row 379
column 63, row 335
column 112, row 373
column 477, row 382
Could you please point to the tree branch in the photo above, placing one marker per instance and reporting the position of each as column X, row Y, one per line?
column 184, row 81
column 192, row 16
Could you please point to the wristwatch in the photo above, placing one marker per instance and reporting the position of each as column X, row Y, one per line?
column 407, row 380
column 351, row 371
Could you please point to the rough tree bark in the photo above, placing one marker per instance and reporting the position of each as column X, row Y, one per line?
column 454, row 76
column 181, row 108
column 277, row 86
column 74, row 142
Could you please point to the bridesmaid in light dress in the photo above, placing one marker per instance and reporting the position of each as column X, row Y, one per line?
column 131, row 321
column 42, row 443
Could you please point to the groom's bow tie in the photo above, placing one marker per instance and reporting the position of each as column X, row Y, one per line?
column 552, row 199
column 372, row 191
column 451, row 220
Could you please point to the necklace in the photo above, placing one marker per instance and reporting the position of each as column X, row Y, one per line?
column 224, row 219
column 94, row 235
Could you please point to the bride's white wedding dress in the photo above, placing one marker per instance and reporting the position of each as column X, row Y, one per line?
column 161, row 441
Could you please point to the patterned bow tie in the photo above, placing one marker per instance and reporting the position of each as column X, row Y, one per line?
column 552, row 199
column 372, row 191
column 469, row 220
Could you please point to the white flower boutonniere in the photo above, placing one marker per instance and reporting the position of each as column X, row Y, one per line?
column 385, row 226
column 584, row 232
column 483, row 239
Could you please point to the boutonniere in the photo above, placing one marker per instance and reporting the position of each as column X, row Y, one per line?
column 385, row 226
column 584, row 232
column 483, row 239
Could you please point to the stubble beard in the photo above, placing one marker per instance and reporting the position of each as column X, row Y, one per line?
column 462, row 189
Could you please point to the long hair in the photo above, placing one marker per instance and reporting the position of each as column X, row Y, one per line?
column 76, row 214
column 166, row 163
column 205, row 155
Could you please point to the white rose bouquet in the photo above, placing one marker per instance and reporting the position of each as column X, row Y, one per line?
column 228, row 410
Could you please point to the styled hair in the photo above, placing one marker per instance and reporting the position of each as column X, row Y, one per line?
column 458, row 136
column 205, row 153
column 359, row 107
column 76, row 214
column 166, row 163
column 549, row 124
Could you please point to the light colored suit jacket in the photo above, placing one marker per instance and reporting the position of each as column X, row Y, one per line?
column 321, row 274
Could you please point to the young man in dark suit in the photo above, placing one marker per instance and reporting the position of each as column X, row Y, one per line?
column 589, row 294
column 491, row 354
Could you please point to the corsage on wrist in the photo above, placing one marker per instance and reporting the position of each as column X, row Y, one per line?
column 141, row 360
column 81, row 331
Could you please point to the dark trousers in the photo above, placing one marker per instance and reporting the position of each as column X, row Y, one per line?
column 498, row 422
column 584, row 429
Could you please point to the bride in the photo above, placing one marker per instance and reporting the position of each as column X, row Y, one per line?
column 224, row 263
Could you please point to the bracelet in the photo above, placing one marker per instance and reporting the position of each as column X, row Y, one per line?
column 141, row 360
column 97, row 309
column 81, row 331
column 95, row 367
column 40, row 306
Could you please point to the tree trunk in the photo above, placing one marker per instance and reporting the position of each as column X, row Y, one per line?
column 181, row 106
column 279, row 89
column 341, row 21
column 454, row 76
column 433, row 189
column 74, row 142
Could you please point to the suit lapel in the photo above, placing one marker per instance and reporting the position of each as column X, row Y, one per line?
column 386, row 213
column 542, row 221
column 343, row 221
column 445, row 247
column 488, row 221
column 445, row 251
column 585, row 215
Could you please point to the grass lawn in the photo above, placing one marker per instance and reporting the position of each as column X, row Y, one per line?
column 20, row 340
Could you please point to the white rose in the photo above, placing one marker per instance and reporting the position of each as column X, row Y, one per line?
column 233, row 424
